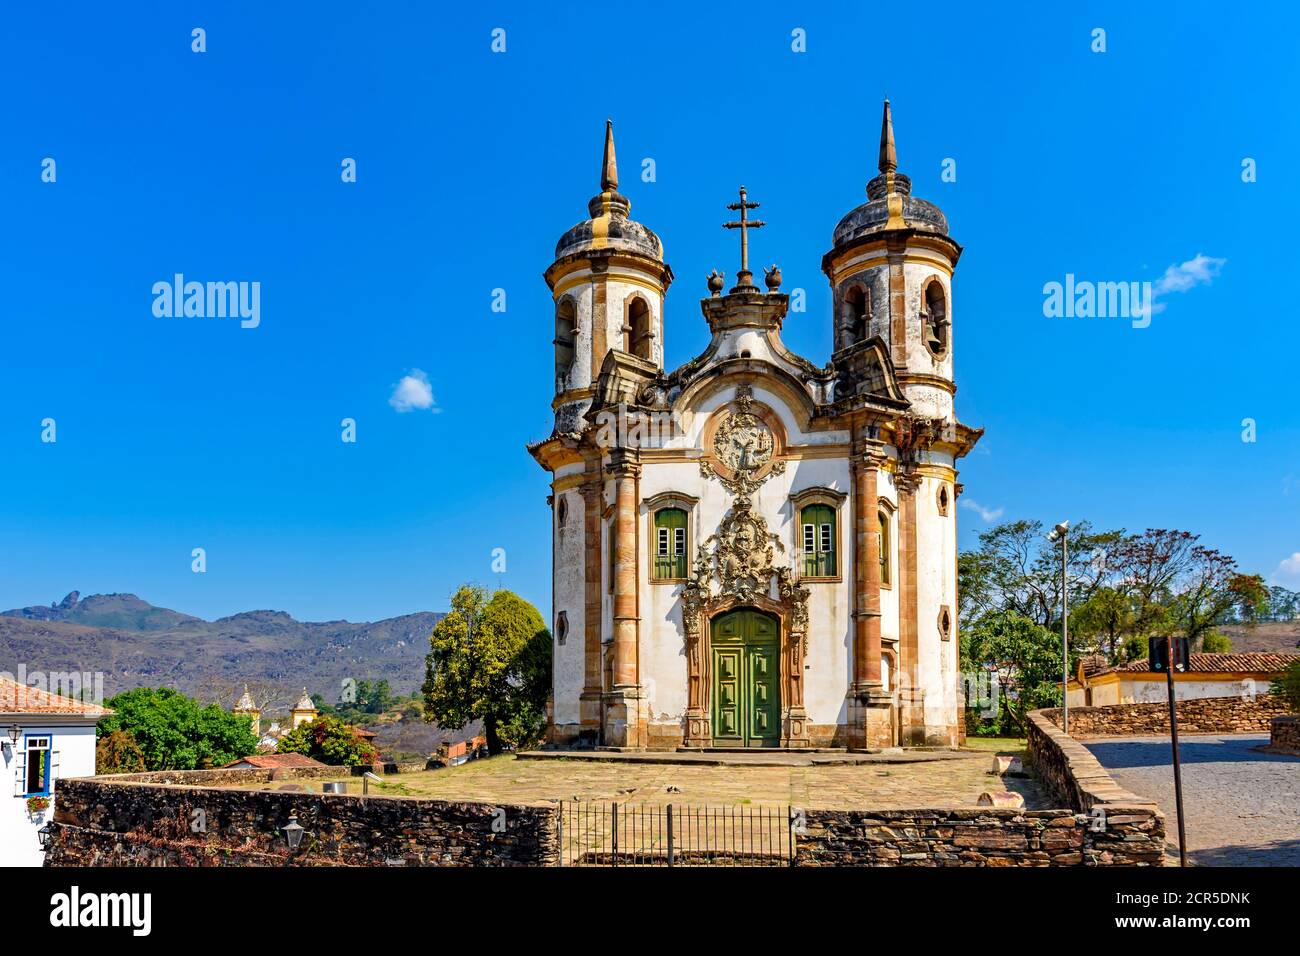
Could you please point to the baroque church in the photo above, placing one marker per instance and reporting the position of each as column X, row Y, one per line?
column 752, row 550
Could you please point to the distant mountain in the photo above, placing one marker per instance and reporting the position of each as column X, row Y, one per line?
column 135, row 644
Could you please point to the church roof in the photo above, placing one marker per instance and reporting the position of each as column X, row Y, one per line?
column 890, row 204
column 609, row 227
column 304, row 702
column 245, row 701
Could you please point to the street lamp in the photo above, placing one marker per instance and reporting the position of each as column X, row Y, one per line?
column 293, row 832
column 1059, row 534
column 43, row 835
column 14, row 733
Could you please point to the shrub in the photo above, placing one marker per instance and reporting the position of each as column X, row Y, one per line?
column 1288, row 686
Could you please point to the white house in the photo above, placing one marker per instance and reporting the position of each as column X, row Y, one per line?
column 42, row 737
column 1207, row 675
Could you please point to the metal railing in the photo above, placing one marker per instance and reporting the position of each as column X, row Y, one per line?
column 619, row 834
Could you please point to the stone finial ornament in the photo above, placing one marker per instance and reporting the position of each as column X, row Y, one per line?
column 717, row 280
column 772, row 278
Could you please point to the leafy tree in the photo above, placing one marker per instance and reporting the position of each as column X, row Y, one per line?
column 329, row 740
column 1288, row 686
column 1026, row 656
column 118, row 752
column 1103, row 619
column 489, row 660
column 1216, row 643
column 175, row 733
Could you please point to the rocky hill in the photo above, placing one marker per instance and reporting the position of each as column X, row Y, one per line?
column 134, row 643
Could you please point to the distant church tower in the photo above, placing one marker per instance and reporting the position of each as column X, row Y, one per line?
column 304, row 712
column 246, row 708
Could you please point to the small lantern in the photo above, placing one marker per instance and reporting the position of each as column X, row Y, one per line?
column 293, row 832
column 14, row 733
column 43, row 834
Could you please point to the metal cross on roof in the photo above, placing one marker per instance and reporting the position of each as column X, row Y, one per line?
column 744, row 277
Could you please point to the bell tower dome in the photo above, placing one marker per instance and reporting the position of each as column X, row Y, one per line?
column 890, row 269
column 608, row 283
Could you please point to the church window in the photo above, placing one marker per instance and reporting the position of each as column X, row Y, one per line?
column 945, row 623
column 884, row 549
column 565, row 336
column 562, row 510
column 670, row 544
column 561, row 626
column 640, row 341
column 942, row 498
column 934, row 319
column 818, row 541
column 857, row 312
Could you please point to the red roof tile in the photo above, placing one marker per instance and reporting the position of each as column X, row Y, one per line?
column 1254, row 662
column 16, row 698
column 276, row 761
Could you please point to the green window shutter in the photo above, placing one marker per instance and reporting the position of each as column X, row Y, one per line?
column 818, row 541
column 670, row 544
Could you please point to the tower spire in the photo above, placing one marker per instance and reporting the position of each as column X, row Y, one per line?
column 888, row 157
column 609, row 166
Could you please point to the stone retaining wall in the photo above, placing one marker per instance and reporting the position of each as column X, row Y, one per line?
column 1284, row 735
column 110, row 822
column 980, row 837
column 1202, row 715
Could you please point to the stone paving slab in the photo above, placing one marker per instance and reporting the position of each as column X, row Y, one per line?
column 1243, row 806
column 753, row 758
column 956, row 781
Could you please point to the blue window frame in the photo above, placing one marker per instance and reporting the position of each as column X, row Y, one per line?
column 37, row 765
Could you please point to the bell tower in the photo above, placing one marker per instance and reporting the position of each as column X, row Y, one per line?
column 608, row 283
column 890, row 269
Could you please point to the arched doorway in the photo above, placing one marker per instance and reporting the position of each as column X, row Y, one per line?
column 745, row 648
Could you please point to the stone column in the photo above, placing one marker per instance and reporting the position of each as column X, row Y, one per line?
column 623, row 724
column 911, row 704
column 870, row 721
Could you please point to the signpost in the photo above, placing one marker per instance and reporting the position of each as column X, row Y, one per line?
column 1166, row 654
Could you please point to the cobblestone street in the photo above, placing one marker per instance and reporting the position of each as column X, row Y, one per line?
column 1243, row 807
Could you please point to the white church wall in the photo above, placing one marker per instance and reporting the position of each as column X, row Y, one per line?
column 570, row 596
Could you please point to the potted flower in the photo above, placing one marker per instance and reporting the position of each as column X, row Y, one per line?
column 36, row 807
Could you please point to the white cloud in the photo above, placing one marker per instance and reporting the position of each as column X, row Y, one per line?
column 413, row 392
column 988, row 514
column 1199, row 270
column 1287, row 573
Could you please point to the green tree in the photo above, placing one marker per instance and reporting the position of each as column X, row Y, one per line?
column 1216, row 643
column 1288, row 686
column 1104, row 619
column 175, row 733
column 1026, row 656
column 329, row 740
column 118, row 753
column 489, row 660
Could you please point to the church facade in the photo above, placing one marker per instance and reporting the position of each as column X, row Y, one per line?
column 752, row 550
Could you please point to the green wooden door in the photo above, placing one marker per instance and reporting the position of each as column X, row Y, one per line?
column 746, row 680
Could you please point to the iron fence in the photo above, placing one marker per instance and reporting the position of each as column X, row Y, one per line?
column 621, row 834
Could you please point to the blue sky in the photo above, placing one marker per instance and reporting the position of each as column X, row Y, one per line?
column 180, row 433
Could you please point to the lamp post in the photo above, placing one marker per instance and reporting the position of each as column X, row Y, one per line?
column 1059, row 534
column 14, row 733
column 292, row 831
